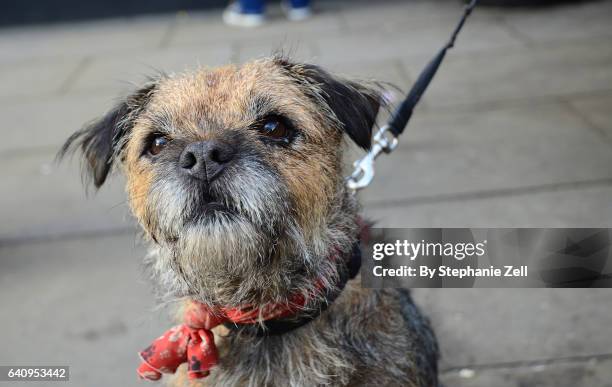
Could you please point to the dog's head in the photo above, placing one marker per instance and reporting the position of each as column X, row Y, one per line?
column 235, row 174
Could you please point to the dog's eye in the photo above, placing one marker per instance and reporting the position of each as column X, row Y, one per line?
column 276, row 128
column 157, row 144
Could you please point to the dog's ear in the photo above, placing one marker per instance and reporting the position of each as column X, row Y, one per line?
column 354, row 104
column 102, row 140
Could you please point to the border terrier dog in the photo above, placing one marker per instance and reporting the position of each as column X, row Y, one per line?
column 235, row 175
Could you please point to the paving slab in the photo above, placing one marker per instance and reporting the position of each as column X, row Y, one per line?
column 596, row 110
column 71, row 41
column 517, row 325
column 294, row 48
column 42, row 199
column 591, row 373
column 518, row 74
column 47, row 122
column 546, row 207
column 479, row 35
column 31, row 79
column 442, row 153
column 418, row 16
column 390, row 72
column 573, row 21
column 359, row 15
column 121, row 74
column 82, row 303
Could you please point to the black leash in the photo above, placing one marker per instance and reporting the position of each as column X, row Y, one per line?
column 386, row 139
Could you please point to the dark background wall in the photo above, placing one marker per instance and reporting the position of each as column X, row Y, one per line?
column 46, row 11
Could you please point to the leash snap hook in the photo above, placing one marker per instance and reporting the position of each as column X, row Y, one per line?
column 384, row 141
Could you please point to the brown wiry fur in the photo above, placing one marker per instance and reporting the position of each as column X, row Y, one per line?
column 286, row 212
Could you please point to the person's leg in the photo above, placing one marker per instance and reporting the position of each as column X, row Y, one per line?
column 252, row 6
column 299, row 3
column 245, row 13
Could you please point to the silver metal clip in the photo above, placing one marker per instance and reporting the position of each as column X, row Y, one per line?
column 383, row 141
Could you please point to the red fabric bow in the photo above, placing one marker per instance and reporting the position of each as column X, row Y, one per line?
column 193, row 342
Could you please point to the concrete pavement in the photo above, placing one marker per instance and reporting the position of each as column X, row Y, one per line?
column 516, row 131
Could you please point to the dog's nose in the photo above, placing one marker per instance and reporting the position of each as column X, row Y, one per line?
column 205, row 160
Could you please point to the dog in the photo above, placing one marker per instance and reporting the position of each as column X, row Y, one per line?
column 235, row 175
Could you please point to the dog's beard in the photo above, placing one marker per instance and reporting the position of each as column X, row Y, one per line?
column 247, row 195
column 212, row 252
